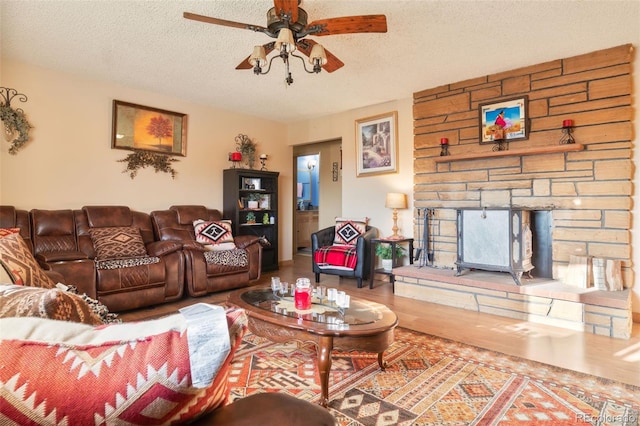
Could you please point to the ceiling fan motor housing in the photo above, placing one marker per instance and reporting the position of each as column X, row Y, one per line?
column 275, row 23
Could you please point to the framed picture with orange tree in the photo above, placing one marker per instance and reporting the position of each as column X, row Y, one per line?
column 139, row 127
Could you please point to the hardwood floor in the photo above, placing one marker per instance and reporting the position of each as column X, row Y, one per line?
column 601, row 356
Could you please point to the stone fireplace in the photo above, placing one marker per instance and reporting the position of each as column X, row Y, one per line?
column 584, row 189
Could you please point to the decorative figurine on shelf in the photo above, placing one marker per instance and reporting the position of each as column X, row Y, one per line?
column 235, row 158
column 567, row 129
column 265, row 218
column 247, row 148
column 444, row 147
column 263, row 160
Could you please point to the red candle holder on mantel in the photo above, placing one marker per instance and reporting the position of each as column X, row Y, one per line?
column 235, row 157
column 444, row 147
column 567, row 129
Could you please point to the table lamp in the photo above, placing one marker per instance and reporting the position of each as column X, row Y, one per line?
column 395, row 201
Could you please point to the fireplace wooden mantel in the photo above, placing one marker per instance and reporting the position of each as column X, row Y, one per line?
column 552, row 149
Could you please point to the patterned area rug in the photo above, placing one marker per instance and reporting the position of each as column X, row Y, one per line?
column 434, row 381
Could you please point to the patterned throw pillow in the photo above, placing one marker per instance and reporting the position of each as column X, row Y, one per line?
column 348, row 230
column 130, row 373
column 216, row 235
column 8, row 231
column 52, row 303
column 117, row 242
column 5, row 275
column 20, row 263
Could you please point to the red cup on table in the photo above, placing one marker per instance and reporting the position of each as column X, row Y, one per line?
column 302, row 294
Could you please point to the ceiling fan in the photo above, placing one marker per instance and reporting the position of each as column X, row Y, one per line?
column 287, row 23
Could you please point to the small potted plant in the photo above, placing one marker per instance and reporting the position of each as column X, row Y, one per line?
column 251, row 217
column 253, row 198
column 385, row 252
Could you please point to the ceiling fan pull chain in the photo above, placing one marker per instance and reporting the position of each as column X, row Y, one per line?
column 289, row 78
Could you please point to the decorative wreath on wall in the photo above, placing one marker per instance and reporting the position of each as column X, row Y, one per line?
column 14, row 120
column 142, row 159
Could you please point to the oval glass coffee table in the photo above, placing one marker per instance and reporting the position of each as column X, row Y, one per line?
column 364, row 326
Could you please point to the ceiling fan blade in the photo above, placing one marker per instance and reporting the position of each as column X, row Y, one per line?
column 348, row 25
column 223, row 22
column 288, row 8
column 333, row 63
column 245, row 65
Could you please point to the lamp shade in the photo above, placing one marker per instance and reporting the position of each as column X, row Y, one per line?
column 258, row 56
column 285, row 39
column 317, row 52
column 396, row 200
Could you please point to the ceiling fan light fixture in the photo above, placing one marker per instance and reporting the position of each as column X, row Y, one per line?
column 288, row 24
column 285, row 41
column 318, row 55
column 258, row 57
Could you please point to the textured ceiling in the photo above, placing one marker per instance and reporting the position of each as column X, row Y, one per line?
column 149, row 45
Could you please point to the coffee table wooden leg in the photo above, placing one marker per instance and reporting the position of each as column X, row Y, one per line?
column 325, row 346
column 381, row 362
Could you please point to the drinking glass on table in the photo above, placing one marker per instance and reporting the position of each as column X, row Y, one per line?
column 275, row 285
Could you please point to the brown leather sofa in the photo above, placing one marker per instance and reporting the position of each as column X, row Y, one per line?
column 62, row 242
column 202, row 277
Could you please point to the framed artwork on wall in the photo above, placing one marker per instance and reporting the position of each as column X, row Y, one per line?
column 504, row 121
column 377, row 144
column 138, row 127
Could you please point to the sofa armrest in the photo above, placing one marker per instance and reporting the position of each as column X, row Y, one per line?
column 60, row 256
column 163, row 248
column 253, row 247
column 56, row 277
column 363, row 248
column 244, row 241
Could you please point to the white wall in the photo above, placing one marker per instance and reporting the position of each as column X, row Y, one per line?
column 365, row 196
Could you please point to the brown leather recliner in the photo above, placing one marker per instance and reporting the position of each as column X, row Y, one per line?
column 10, row 217
column 129, row 285
column 55, row 247
column 202, row 277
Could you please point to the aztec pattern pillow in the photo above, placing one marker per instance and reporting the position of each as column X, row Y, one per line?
column 20, row 263
column 216, row 234
column 348, row 230
column 5, row 272
column 131, row 373
column 116, row 242
column 52, row 303
column 5, row 276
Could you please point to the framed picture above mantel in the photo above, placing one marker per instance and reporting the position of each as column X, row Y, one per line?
column 506, row 120
column 138, row 127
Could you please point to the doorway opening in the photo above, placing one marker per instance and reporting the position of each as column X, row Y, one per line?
column 307, row 200
column 317, row 190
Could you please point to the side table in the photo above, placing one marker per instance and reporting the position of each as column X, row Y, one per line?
column 394, row 243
